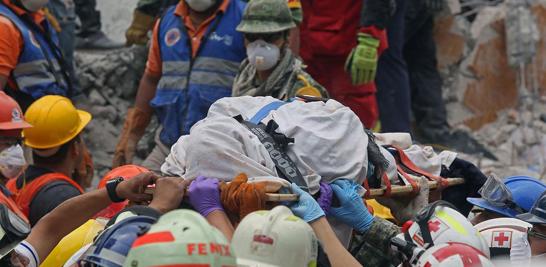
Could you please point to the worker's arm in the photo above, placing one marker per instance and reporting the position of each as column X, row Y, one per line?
column 311, row 212
column 337, row 254
column 138, row 118
column 76, row 211
column 11, row 45
column 204, row 195
column 150, row 79
column 220, row 220
column 146, row 92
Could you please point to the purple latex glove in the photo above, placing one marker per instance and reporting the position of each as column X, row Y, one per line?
column 325, row 198
column 204, row 195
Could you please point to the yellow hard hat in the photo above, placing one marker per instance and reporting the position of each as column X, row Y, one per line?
column 73, row 242
column 56, row 121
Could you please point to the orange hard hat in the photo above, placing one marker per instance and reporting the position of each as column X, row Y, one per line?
column 11, row 115
column 127, row 172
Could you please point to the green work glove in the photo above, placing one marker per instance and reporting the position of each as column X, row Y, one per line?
column 362, row 62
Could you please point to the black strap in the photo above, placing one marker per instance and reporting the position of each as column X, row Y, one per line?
column 424, row 216
column 276, row 144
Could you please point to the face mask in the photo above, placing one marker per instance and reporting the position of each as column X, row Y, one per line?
column 200, row 5
column 12, row 161
column 262, row 55
column 34, row 5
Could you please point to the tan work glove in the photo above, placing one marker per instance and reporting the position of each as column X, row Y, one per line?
column 133, row 129
column 405, row 208
column 137, row 33
column 85, row 171
column 52, row 20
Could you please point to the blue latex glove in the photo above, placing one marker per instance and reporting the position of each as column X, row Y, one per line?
column 306, row 208
column 352, row 210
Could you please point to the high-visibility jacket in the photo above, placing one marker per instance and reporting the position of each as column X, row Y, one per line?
column 38, row 72
column 23, row 196
column 188, row 86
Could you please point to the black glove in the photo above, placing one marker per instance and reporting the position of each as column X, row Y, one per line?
column 474, row 180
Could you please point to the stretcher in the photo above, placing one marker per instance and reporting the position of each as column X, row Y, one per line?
column 396, row 191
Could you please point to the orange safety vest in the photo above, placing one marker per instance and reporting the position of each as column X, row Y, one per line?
column 24, row 196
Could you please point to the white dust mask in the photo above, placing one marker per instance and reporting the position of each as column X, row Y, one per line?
column 262, row 55
column 12, row 161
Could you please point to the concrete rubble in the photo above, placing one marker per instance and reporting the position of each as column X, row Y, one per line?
column 480, row 87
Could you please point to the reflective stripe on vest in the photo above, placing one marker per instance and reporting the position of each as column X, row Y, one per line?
column 33, row 74
column 24, row 196
column 187, row 86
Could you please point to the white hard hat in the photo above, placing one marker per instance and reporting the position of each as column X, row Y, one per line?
column 501, row 233
column 453, row 255
column 274, row 238
column 440, row 223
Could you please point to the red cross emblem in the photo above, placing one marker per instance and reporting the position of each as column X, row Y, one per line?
column 501, row 239
column 434, row 226
column 469, row 255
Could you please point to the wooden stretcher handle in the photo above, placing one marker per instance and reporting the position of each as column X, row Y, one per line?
column 397, row 190
column 270, row 197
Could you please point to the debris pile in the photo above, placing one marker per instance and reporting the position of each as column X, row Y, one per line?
column 110, row 80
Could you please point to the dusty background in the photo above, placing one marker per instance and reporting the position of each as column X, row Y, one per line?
column 479, row 87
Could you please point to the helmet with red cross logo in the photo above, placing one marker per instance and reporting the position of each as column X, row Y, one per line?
column 440, row 223
column 501, row 234
column 453, row 255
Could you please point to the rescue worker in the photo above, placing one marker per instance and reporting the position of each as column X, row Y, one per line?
column 506, row 198
column 271, row 69
column 147, row 11
column 535, row 249
column 346, row 34
column 144, row 17
column 58, row 150
column 427, row 104
column 12, row 123
column 90, row 35
column 193, row 59
column 47, row 233
column 31, row 64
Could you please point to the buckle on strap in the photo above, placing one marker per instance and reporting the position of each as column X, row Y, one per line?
column 276, row 144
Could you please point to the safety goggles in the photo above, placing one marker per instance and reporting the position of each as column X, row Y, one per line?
column 497, row 194
column 533, row 233
column 266, row 37
column 14, row 230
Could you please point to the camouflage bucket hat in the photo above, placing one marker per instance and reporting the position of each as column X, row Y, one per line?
column 266, row 16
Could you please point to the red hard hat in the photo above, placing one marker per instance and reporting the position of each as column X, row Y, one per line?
column 11, row 115
column 127, row 172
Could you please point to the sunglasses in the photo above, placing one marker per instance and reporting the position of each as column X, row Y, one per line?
column 266, row 37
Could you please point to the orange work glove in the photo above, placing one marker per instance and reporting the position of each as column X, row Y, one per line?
column 133, row 130
column 85, row 171
column 241, row 198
